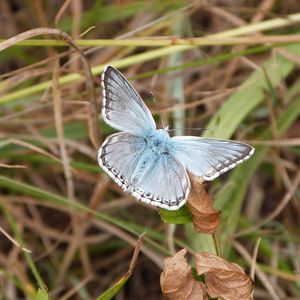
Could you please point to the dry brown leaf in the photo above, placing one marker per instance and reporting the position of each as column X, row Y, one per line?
column 177, row 281
column 205, row 217
column 223, row 279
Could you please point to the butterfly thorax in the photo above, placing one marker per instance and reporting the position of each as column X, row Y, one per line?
column 159, row 142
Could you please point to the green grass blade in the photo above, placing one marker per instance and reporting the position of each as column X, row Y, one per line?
column 41, row 295
column 114, row 289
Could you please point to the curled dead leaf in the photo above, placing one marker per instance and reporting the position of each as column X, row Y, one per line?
column 177, row 281
column 205, row 217
column 223, row 279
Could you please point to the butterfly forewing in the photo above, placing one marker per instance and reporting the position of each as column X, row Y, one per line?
column 122, row 107
column 164, row 182
column 209, row 158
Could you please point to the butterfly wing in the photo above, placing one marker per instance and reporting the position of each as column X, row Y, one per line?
column 122, row 107
column 164, row 181
column 208, row 157
column 166, row 184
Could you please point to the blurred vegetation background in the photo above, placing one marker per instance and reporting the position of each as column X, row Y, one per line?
column 55, row 201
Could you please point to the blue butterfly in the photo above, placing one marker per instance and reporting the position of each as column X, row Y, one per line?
column 146, row 161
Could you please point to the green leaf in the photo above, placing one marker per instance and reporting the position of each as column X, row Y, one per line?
column 180, row 216
column 41, row 295
column 114, row 289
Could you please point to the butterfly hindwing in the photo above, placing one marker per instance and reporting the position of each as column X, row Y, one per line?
column 163, row 182
column 122, row 107
column 119, row 154
column 208, row 157
column 166, row 183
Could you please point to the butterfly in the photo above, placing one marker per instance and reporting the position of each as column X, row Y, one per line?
column 145, row 161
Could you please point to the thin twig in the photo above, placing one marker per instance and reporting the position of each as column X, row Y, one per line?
column 136, row 253
column 254, row 258
column 13, row 240
column 61, row 12
column 60, row 132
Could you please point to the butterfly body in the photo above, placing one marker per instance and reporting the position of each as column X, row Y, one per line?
column 146, row 161
column 159, row 142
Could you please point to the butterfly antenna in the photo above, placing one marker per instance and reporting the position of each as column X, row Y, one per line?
column 193, row 129
column 157, row 108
